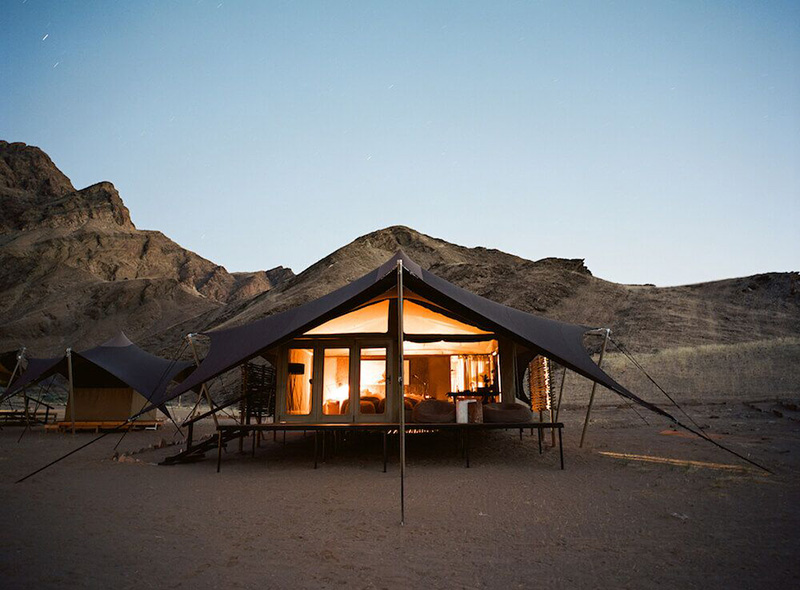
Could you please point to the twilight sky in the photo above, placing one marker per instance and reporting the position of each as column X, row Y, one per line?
column 660, row 141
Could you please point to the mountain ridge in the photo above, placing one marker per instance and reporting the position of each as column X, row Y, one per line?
column 74, row 269
column 60, row 243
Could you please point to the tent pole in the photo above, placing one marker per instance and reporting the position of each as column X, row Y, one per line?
column 203, row 388
column 594, row 388
column 550, row 399
column 27, row 409
column 71, row 390
column 560, row 393
column 20, row 356
column 401, row 387
column 514, row 383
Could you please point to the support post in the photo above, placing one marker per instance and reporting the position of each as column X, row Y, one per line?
column 219, row 449
column 401, row 388
column 17, row 366
column 203, row 388
column 71, row 390
column 594, row 387
column 515, row 385
column 550, row 400
column 27, row 410
column 560, row 394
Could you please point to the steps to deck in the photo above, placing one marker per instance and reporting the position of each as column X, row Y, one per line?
column 197, row 451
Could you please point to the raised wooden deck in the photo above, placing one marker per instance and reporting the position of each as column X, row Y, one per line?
column 226, row 432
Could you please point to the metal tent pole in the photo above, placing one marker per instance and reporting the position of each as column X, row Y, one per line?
column 550, row 399
column 17, row 365
column 560, row 393
column 203, row 388
column 594, row 387
column 401, row 387
column 20, row 356
column 71, row 390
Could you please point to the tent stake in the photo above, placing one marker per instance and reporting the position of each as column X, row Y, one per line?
column 71, row 390
column 401, row 387
column 594, row 388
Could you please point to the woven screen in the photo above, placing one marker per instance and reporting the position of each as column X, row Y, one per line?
column 539, row 383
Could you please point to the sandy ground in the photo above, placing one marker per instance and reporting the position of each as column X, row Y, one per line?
column 513, row 520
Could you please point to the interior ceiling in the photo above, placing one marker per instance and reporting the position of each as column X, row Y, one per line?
column 420, row 316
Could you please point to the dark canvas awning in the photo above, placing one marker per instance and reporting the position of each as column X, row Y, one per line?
column 115, row 363
column 559, row 341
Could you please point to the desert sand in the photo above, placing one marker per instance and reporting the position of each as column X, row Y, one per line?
column 512, row 520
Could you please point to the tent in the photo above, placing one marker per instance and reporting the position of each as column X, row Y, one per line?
column 111, row 382
column 351, row 336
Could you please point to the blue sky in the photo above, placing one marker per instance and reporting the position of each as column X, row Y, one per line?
column 660, row 141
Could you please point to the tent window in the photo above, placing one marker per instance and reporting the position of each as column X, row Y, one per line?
column 372, row 319
column 372, row 382
column 433, row 369
column 472, row 372
column 298, row 383
column 418, row 319
column 336, row 381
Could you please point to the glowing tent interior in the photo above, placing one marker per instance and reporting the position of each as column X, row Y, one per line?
column 108, row 383
column 338, row 357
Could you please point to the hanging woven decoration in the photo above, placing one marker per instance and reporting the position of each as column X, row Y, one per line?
column 539, row 382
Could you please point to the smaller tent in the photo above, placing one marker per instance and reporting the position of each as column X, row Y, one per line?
column 111, row 382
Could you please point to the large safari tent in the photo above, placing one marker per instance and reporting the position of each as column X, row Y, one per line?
column 339, row 358
column 107, row 384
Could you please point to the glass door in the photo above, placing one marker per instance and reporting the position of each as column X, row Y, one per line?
column 299, row 382
column 336, row 402
column 374, row 382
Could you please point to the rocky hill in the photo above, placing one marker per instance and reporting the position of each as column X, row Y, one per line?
column 74, row 268
column 649, row 318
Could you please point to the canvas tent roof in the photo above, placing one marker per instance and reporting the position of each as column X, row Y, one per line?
column 115, row 363
column 560, row 341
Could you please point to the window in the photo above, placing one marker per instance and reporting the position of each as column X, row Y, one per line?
column 418, row 319
column 433, row 369
column 298, row 383
column 372, row 319
column 372, row 381
column 471, row 372
column 336, row 381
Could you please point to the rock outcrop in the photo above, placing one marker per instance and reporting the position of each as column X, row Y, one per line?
column 74, row 267
column 648, row 318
